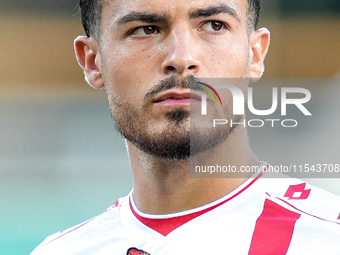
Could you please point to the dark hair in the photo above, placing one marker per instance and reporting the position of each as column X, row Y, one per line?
column 254, row 13
column 90, row 11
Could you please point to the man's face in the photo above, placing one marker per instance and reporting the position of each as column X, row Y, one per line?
column 149, row 48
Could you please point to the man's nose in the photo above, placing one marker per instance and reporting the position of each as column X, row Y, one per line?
column 182, row 54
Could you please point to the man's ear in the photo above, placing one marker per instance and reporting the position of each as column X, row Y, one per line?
column 259, row 44
column 88, row 57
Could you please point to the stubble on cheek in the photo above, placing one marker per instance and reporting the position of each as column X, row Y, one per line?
column 171, row 142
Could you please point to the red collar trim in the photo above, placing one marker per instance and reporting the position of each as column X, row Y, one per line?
column 166, row 226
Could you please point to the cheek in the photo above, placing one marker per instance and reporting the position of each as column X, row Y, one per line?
column 128, row 76
column 228, row 59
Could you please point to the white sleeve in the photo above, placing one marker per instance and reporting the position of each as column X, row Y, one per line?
column 45, row 242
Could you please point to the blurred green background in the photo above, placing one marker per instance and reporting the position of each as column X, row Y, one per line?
column 61, row 162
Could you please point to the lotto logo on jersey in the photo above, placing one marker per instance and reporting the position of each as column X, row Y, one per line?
column 135, row 251
column 298, row 192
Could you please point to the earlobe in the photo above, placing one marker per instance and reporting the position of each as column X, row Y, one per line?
column 259, row 42
column 88, row 57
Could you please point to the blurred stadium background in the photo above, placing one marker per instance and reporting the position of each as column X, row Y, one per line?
column 60, row 160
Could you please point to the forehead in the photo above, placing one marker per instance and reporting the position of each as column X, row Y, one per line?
column 115, row 9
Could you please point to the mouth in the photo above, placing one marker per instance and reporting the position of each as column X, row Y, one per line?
column 177, row 99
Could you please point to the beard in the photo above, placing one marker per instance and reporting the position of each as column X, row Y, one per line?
column 183, row 136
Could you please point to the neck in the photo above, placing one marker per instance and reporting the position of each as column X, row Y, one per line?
column 163, row 187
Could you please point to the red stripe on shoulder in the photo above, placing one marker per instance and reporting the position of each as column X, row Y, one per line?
column 273, row 230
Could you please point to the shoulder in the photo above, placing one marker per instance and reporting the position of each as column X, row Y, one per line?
column 79, row 235
column 300, row 217
column 300, row 196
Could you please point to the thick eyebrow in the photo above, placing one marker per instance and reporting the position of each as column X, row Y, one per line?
column 214, row 10
column 144, row 17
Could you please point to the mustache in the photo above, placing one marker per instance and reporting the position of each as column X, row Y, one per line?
column 189, row 82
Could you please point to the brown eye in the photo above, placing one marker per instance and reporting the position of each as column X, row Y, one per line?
column 144, row 31
column 216, row 25
column 150, row 30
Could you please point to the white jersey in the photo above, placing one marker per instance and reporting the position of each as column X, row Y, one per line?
column 264, row 216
